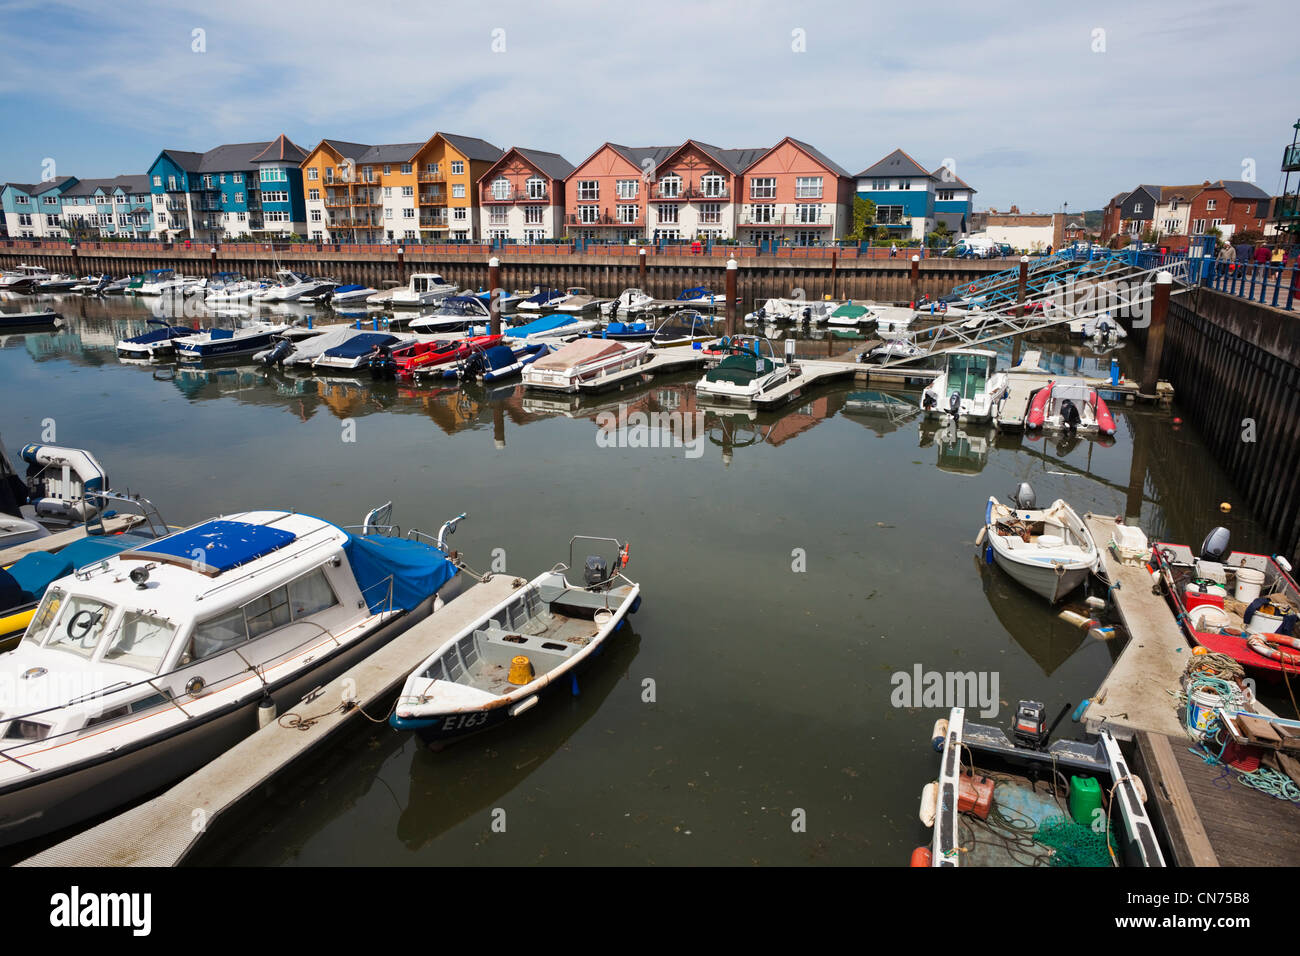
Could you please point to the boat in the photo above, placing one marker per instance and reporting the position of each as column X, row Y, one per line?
column 288, row 350
column 506, row 302
column 142, row 668
column 549, row 328
column 455, row 314
column 119, row 286
column 290, row 286
column 969, row 388
column 700, row 296
column 29, row 320
column 633, row 330
column 497, row 362
column 1023, row 801
column 1100, row 330
column 577, row 301
column 745, row 375
column 16, row 530
column 93, row 285
column 684, row 327
column 359, row 351
column 423, row 357
column 1236, row 603
column 351, row 294
column 531, row 644
column 1048, row 550
column 584, row 363
column 168, row 282
column 158, row 341
column 891, row 351
column 542, row 299
column 629, row 300
column 792, row 310
column 891, row 319
column 227, row 343
column 58, row 282
column 851, row 314
column 1069, row 405
column 885, row 411
column 231, row 287
column 424, row 288
column 24, row 279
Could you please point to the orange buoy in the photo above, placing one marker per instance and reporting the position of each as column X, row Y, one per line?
column 921, row 856
column 1199, row 651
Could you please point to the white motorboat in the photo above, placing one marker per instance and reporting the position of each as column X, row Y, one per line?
column 454, row 314
column 499, row 666
column 1098, row 329
column 56, row 282
column 745, row 375
column 231, row 287
column 168, row 282
column 542, row 300
column 584, row 363
column 141, row 668
column 357, row 351
column 685, row 327
column 424, row 288
column 969, row 388
column 891, row 350
column 351, row 294
column 88, row 285
column 23, row 279
column 809, row 312
column 15, row 530
column 290, row 286
column 851, row 315
column 629, row 300
column 154, row 343
column 578, row 300
column 892, row 318
column 1048, row 550
column 229, row 343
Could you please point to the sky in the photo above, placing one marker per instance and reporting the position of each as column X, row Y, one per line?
column 1035, row 104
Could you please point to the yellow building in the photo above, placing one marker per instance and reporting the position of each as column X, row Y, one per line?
column 398, row 192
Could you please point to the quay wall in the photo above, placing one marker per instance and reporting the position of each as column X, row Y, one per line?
column 1235, row 368
column 605, row 273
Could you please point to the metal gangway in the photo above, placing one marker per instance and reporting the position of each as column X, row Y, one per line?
column 1119, row 286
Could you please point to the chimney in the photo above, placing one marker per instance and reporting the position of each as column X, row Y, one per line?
column 1015, row 210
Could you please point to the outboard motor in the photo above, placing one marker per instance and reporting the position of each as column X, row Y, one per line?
column 1103, row 331
column 807, row 314
column 279, row 352
column 929, row 400
column 1024, row 498
column 954, row 404
column 1215, row 546
column 596, row 571
column 1030, row 728
column 1070, row 416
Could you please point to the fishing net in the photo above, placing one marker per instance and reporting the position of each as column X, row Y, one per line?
column 1074, row 845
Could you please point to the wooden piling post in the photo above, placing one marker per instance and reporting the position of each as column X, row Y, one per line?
column 76, row 260
column 834, row 275
column 732, row 268
column 494, row 294
column 1156, row 335
column 1021, row 286
column 640, row 269
column 915, row 281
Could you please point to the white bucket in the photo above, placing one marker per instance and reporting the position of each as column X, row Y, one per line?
column 1208, row 618
column 1200, row 710
column 1249, row 583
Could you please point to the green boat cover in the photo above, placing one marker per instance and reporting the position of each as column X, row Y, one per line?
column 739, row 369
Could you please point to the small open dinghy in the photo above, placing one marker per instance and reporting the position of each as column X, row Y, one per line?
column 499, row 666
column 1048, row 550
column 1025, row 802
column 1069, row 405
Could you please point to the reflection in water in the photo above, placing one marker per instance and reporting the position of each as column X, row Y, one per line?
column 963, row 448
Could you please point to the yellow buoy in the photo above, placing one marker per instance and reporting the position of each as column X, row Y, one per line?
column 521, row 670
column 1225, row 507
column 1199, row 651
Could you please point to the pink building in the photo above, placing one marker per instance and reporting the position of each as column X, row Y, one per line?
column 522, row 196
column 605, row 198
column 796, row 193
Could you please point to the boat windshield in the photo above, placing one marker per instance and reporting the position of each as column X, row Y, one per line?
column 141, row 641
column 968, row 375
column 79, row 623
column 44, row 616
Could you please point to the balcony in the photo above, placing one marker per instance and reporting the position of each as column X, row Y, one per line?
column 516, row 196
column 1291, row 158
column 432, row 222
column 428, row 177
column 748, row 217
column 367, row 201
column 688, row 194
column 601, row 220
column 433, row 198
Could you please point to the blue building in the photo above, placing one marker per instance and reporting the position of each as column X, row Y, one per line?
column 119, row 208
column 239, row 189
column 34, row 211
column 911, row 200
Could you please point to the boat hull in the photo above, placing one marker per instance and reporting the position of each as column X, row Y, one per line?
column 1044, row 579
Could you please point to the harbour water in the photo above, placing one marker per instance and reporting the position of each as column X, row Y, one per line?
column 792, row 570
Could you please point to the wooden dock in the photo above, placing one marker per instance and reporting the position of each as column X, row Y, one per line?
column 1022, row 381
column 163, row 830
column 1137, row 694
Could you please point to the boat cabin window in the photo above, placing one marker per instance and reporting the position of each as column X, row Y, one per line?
column 39, row 628
column 968, row 375
column 294, row 601
column 141, row 641
column 79, row 626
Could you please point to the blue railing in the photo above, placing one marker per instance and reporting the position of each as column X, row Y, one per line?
column 1263, row 283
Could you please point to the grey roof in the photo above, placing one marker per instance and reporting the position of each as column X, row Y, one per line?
column 345, row 149
column 128, row 184
column 956, row 181
column 281, row 149
column 389, row 153
column 473, row 148
column 21, row 187
column 955, row 221
column 637, row 155
column 735, row 160
column 825, row 160
column 1241, row 190
column 552, row 164
column 59, row 183
column 229, row 157
column 1152, row 191
column 897, row 163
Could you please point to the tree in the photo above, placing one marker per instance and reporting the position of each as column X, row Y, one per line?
column 864, row 216
column 942, row 236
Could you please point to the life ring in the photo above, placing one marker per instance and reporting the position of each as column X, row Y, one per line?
column 971, row 287
column 1262, row 644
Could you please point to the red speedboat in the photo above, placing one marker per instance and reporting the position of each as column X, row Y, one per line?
column 418, row 357
column 1244, row 605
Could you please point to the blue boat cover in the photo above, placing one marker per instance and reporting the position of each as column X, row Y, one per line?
column 499, row 356
column 360, row 345
column 698, row 291
column 223, row 544
column 416, row 570
column 216, row 334
column 28, row 577
column 348, row 288
column 544, row 324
